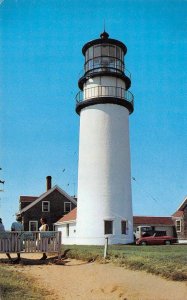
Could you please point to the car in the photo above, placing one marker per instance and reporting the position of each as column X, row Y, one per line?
column 156, row 239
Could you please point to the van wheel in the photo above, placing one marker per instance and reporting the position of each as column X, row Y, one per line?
column 167, row 242
column 143, row 243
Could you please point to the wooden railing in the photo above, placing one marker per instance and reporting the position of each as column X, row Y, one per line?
column 30, row 242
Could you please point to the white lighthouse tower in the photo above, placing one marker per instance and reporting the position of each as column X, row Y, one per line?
column 104, row 175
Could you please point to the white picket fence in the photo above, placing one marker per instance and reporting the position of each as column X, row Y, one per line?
column 30, row 242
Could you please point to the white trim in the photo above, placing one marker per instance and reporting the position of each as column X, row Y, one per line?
column 33, row 221
column 182, row 203
column 109, row 219
column 64, row 222
column 109, row 234
column 178, row 220
column 48, row 202
column 56, row 187
column 182, row 241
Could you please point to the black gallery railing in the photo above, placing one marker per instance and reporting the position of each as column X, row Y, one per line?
column 105, row 91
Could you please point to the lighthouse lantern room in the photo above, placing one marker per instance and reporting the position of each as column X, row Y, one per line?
column 104, row 207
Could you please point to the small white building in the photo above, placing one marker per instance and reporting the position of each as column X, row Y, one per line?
column 67, row 225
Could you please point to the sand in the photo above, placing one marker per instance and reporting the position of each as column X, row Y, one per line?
column 80, row 280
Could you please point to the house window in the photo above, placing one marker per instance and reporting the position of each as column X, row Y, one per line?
column 45, row 206
column 108, row 227
column 67, row 206
column 124, row 227
column 33, row 225
column 178, row 225
column 67, row 229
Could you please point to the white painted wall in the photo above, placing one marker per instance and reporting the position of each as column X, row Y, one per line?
column 67, row 240
column 105, row 80
column 104, row 179
column 105, row 85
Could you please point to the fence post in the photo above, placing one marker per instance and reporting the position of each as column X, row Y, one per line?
column 60, row 245
column 106, row 247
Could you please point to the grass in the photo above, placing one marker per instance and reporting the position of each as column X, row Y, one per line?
column 166, row 261
column 14, row 285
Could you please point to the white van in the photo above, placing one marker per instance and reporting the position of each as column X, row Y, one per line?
column 143, row 231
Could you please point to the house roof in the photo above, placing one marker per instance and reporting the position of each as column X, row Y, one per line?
column 71, row 216
column 140, row 220
column 178, row 214
column 56, row 187
column 28, row 198
column 180, row 211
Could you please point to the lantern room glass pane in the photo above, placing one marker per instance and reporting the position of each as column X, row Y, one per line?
column 97, row 50
column 97, row 62
column 90, row 52
column 91, row 64
column 86, row 67
column 112, row 63
column 105, row 50
column 112, row 51
column 87, row 56
column 105, row 62
column 118, row 52
column 122, row 55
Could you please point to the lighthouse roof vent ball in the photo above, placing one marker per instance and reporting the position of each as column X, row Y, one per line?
column 104, row 35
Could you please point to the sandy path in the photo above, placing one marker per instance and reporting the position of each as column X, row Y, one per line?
column 87, row 281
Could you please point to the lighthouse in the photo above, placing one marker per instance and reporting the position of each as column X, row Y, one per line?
column 104, row 206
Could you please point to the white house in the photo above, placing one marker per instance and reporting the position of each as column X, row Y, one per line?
column 67, row 225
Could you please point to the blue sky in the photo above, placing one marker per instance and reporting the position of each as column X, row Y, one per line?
column 40, row 64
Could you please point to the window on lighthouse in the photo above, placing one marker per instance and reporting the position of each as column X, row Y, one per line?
column 108, row 227
column 123, row 227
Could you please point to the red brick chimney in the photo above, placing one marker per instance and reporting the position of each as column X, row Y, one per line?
column 48, row 182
